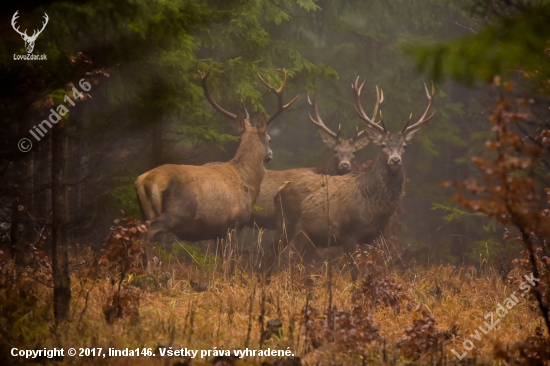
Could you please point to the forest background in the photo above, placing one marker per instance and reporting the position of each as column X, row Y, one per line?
column 477, row 192
column 146, row 107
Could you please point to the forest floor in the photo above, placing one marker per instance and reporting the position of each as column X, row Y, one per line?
column 392, row 315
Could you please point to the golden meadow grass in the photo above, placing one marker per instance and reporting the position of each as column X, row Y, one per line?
column 220, row 314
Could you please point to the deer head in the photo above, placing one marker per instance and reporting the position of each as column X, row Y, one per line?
column 29, row 40
column 243, row 122
column 393, row 144
column 344, row 150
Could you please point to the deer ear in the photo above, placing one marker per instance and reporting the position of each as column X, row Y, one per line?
column 261, row 124
column 328, row 139
column 361, row 143
column 240, row 123
column 409, row 136
column 373, row 135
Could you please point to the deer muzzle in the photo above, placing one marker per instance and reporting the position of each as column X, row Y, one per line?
column 269, row 156
column 344, row 166
column 394, row 160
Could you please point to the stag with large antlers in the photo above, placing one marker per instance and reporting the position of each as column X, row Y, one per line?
column 29, row 40
column 351, row 209
column 205, row 202
column 341, row 163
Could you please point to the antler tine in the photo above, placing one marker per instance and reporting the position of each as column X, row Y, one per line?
column 382, row 122
column 359, row 108
column 423, row 119
column 319, row 121
column 269, row 85
column 44, row 23
column 379, row 100
column 37, row 32
column 204, row 76
column 339, row 130
column 279, row 93
column 246, row 116
column 358, row 133
column 407, row 123
column 13, row 20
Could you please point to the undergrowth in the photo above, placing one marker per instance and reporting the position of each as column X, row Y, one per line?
column 392, row 315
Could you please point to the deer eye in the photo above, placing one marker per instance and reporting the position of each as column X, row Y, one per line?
column 384, row 144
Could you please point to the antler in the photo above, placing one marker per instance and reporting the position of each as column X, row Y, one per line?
column 279, row 93
column 358, row 133
column 359, row 108
column 246, row 115
column 13, row 19
column 319, row 121
column 24, row 34
column 422, row 119
column 35, row 35
column 211, row 100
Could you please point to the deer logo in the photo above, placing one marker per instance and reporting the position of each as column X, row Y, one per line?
column 29, row 40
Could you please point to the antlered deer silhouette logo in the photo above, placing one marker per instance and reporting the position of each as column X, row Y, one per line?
column 29, row 40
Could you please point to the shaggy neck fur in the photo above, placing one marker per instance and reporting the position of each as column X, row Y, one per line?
column 382, row 187
column 249, row 162
column 330, row 167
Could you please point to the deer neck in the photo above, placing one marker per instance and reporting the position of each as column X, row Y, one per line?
column 383, row 186
column 249, row 162
column 330, row 167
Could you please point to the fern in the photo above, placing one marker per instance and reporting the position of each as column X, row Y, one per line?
column 454, row 213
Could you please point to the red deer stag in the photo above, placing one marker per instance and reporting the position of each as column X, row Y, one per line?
column 204, row 202
column 359, row 204
column 340, row 164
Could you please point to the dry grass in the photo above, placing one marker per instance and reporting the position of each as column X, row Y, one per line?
column 203, row 309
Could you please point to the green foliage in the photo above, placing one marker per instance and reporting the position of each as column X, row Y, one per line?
column 184, row 252
column 454, row 213
column 515, row 40
column 125, row 199
column 491, row 250
column 148, row 108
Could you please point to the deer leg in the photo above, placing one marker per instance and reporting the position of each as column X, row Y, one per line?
column 306, row 249
column 154, row 227
column 349, row 245
column 148, row 246
column 268, row 260
column 232, row 249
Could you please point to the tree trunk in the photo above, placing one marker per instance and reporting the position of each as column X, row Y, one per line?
column 157, row 143
column 42, row 205
column 21, row 221
column 60, row 220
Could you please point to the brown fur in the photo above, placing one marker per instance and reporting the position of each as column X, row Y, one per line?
column 204, row 202
column 359, row 207
column 351, row 209
column 341, row 163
